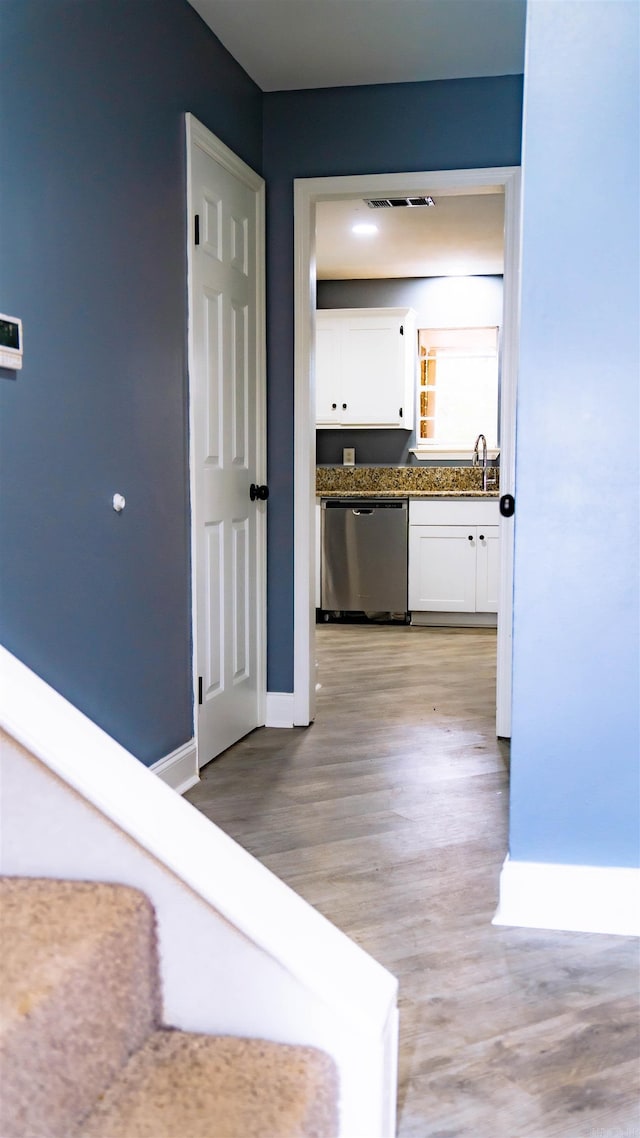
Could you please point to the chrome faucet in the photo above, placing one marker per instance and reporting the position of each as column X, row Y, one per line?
column 476, row 458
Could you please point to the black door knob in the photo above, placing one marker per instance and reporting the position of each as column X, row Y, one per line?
column 507, row 505
column 259, row 492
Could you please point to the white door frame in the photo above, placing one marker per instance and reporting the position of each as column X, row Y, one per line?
column 307, row 193
column 196, row 132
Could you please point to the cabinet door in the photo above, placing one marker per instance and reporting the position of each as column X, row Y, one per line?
column 372, row 371
column 487, row 568
column 328, row 369
column 442, row 568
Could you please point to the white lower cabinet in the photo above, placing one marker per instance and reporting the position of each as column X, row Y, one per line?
column 453, row 556
column 487, row 568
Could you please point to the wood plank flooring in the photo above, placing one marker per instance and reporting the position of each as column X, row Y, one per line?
column 390, row 815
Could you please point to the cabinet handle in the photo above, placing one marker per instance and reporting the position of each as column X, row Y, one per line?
column 481, row 537
column 333, row 406
column 344, row 406
column 470, row 538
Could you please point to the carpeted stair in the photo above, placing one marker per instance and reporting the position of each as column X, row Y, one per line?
column 83, row 1053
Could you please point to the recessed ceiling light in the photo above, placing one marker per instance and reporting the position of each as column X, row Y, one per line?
column 364, row 227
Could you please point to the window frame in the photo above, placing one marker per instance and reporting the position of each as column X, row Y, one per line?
column 453, row 449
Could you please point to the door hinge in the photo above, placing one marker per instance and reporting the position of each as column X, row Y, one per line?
column 197, row 229
column 402, row 329
column 199, row 689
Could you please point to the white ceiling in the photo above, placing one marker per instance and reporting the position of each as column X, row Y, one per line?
column 462, row 235
column 288, row 45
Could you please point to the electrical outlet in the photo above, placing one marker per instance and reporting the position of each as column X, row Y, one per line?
column 348, row 456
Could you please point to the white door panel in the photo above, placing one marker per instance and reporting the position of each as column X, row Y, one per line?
column 212, row 576
column 442, row 568
column 227, row 445
column 488, row 568
column 328, row 370
column 373, row 353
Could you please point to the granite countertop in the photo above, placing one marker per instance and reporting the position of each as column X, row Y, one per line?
column 407, row 493
column 403, row 482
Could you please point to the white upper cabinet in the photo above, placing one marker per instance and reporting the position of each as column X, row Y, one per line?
column 328, row 365
column 365, row 367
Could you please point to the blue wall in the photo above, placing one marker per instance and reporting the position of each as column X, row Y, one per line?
column 455, row 124
column 93, row 259
column 575, row 747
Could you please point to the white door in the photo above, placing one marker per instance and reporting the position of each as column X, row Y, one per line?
column 373, row 351
column 328, row 369
column 442, row 573
column 487, row 568
column 227, row 453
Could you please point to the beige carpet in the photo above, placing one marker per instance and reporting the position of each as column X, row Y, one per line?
column 82, row 1049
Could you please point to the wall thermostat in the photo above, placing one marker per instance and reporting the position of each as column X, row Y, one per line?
column 10, row 341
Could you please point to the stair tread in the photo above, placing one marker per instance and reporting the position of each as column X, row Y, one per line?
column 79, row 992
column 47, row 926
column 201, row 1086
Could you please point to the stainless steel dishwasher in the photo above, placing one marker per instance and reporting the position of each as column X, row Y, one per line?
column 364, row 555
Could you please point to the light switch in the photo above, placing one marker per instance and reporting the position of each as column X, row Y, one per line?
column 10, row 342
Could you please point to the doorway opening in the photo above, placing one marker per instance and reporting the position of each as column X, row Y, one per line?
column 309, row 193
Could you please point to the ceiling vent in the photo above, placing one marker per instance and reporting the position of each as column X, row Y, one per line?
column 394, row 203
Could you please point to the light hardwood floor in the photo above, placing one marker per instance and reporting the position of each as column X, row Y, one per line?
column 390, row 815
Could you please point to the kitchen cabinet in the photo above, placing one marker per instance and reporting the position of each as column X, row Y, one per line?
column 454, row 556
column 366, row 361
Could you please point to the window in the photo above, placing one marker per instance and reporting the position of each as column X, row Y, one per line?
column 457, row 389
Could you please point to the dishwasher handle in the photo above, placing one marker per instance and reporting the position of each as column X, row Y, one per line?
column 359, row 513
column 366, row 504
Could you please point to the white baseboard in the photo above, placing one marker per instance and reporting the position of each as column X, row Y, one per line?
column 455, row 619
column 573, row 898
column 279, row 709
column 179, row 769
